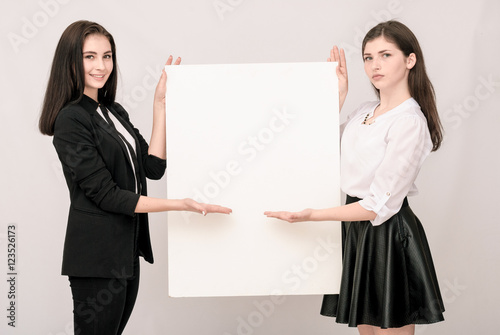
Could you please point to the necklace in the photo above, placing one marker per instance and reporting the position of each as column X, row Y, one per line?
column 366, row 118
column 367, row 115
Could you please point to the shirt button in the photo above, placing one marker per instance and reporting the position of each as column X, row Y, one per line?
column 388, row 194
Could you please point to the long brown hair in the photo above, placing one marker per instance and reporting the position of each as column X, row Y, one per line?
column 67, row 81
column 420, row 86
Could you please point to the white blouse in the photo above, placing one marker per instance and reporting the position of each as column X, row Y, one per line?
column 380, row 161
column 124, row 132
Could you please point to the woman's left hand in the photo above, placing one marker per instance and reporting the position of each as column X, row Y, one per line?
column 292, row 217
column 194, row 206
column 161, row 88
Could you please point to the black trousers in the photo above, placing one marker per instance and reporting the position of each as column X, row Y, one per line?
column 102, row 306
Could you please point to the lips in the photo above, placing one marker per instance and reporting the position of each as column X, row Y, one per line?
column 98, row 76
column 377, row 76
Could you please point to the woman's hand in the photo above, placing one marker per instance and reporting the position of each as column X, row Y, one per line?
column 161, row 88
column 292, row 217
column 157, row 144
column 339, row 56
column 193, row 206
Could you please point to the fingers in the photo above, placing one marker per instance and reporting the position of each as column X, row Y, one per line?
column 171, row 58
column 333, row 54
column 205, row 209
column 342, row 61
column 199, row 209
column 276, row 215
column 163, row 76
column 337, row 55
column 285, row 216
column 219, row 209
column 209, row 208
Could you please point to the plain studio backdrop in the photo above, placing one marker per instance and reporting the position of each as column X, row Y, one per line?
column 458, row 184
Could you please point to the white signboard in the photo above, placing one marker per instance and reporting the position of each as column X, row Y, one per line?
column 253, row 137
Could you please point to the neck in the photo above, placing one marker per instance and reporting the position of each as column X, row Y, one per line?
column 393, row 97
column 91, row 94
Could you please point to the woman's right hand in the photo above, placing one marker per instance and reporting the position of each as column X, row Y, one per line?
column 161, row 87
column 291, row 217
column 194, row 206
column 338, row 56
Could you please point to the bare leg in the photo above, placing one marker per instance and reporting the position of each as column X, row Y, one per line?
column 406, row 330
column 366, row 330
column 372, row 330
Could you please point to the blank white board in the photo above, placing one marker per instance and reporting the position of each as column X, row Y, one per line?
column 253, row 137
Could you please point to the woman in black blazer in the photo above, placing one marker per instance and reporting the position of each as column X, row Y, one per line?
column 105, row 161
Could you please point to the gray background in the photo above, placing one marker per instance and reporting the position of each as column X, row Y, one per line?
column 458, row 184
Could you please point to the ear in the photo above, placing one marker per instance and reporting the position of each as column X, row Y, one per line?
column 411, row 60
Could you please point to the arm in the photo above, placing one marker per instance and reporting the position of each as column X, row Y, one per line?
column 154, row 167
column 84, row 167
column 149, row 205
column 408, row 145
column 157, row 144
column 350, row 212
column 339, row 56
column 82, row 162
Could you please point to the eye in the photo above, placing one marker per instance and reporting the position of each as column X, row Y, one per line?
column 386, row 55
column 368, row 58
column 107, row 56
column 89, row 57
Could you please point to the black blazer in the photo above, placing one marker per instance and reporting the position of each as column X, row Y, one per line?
column 103, row 232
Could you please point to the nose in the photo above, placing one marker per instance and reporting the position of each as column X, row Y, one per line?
column 376, row 63
column 99, row 65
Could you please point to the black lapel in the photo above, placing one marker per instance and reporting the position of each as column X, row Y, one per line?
column 112, row 131
column 127, row 126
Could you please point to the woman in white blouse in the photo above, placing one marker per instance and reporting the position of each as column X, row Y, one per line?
column 388, row 279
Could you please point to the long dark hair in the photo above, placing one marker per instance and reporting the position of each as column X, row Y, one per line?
column 420, row 86
column 67, row 81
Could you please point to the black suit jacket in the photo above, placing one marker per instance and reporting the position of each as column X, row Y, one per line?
column 103, row 232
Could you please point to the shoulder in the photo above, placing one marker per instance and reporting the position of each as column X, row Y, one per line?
column 407, row 120
column 410, row 109
column 72, row 113
column 75, row 115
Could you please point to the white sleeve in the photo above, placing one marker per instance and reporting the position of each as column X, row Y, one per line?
column 408, row 144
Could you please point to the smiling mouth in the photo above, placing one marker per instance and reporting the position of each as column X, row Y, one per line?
column 100, row 76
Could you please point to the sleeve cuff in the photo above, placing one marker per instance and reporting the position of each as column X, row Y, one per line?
column 155, row 167
column 378, row 207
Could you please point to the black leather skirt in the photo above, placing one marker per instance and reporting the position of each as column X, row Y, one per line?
column 388, row 277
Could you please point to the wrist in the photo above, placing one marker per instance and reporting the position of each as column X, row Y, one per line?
column 179, row 204
column 159, row 106
column 312, row 214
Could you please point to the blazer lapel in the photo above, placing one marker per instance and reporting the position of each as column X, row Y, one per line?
column 139, row 168
column 113, row 132
column 129, row 129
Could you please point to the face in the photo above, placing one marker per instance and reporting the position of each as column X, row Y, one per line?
column 385, row 65
column 97, row 63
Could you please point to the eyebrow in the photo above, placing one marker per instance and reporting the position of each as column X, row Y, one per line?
column 380, row 52
column 95, row 53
